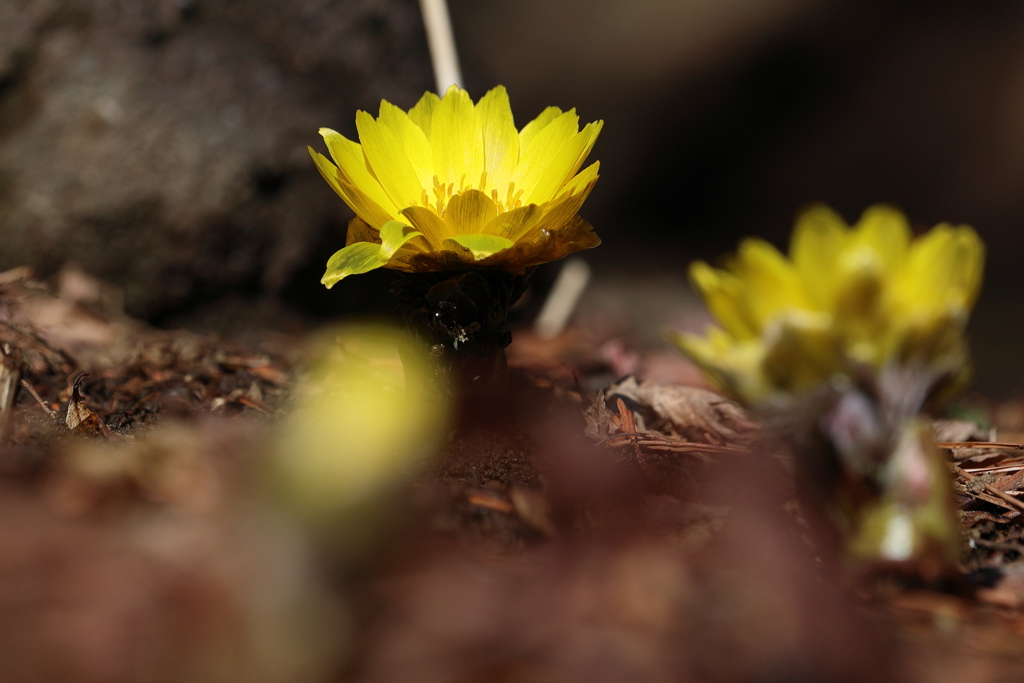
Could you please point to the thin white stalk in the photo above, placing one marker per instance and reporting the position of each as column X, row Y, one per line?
column 561, row 302
column 442, row 44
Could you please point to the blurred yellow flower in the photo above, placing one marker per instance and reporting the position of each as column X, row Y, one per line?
column 866, row 296
column 360, row 422
column 450, row 184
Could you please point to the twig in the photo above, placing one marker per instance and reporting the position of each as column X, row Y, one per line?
column 42, row 404
column 950, row 445
column 629, row 428
column 997, row 469
column 486, row 500
column 249, row 403
column 656, row 443
column 992, row 490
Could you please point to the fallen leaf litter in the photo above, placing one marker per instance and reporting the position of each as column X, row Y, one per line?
column 110, row 379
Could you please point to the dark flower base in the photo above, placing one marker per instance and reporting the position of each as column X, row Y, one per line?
column 461, row 317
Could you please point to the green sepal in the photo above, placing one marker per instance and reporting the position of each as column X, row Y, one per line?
column 360, row 257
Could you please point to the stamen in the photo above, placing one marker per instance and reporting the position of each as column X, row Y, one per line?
column 439, row 194
column 513, row 199
column 483, row 181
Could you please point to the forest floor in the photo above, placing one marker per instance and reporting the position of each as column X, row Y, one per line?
column 570, row 530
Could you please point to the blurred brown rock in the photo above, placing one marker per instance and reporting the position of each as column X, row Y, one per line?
column 160, row 144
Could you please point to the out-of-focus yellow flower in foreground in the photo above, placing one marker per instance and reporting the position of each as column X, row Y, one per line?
column 450, row 184
column 867, row 296
column 355, row 428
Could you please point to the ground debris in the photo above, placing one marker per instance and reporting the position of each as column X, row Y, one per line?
column 649, row 540
column 79, row 417
column 959, row 431
column 686, row 413
column 990, row 482
column 660, row 422
column 78, row 354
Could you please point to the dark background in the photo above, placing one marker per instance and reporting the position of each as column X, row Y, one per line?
column 160, row 144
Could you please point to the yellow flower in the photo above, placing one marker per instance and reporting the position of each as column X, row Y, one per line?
column 451, row 184
column 866, row 296
column 359, row 421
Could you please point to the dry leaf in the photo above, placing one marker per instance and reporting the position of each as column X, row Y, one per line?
column 599, row 419
column 79, row 417
column 958, row 431
column 688, row 412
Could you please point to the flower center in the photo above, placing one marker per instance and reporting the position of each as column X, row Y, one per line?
column 443, row 194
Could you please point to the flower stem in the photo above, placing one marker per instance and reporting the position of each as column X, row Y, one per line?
column 462, row 317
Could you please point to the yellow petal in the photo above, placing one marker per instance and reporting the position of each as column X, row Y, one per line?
column 515, row 223
column 457, row 140
column 365, row 208
column 328, row 170
column 501, row 139
column 943, row 269
column 966, row 251
column 583, row 180
column 388, row 160
column 558, row 212
column 723, row 295
column 971, row 257
column 423, row 113
column 394, row 235
column 480, row 246
column 427, row 222
column 734, row 366
column 359, row 231
column 699, row 349
column 468, row 212
column 861, row 277
column 818, row 240
column 546, row 146
column 886, row 230
column 801, row 350
column 531, row 129
column 935, row 337
column 591, row 131
column 564, row 163
column 352, row 164
column 414, row 141
column 771, row 283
